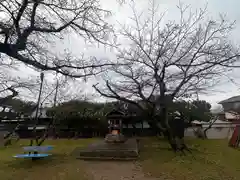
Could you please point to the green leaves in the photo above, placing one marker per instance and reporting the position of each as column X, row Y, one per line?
column 195, row 110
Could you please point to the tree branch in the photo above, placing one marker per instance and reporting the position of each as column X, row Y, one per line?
column 32, row 23
column 114, row 95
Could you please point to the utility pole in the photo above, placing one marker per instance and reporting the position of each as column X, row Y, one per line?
column 37, row 110
column 39, row 96
column 54, row 105
column 197, row 95
column 55, row 97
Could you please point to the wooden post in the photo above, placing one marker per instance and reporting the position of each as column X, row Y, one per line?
column 120, row 125
column 109, row 128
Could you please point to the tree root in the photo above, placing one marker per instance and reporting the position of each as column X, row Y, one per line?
column 182, row 148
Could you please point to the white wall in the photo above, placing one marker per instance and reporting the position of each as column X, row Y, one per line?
column 213, row 133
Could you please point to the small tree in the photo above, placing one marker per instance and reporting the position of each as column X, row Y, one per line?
column 168, row 62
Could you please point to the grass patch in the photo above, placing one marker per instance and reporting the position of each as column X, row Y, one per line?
column 61, row 166
column 213, row 160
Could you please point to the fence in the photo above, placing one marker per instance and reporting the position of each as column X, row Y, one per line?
column 216, row 132
column 212, row 133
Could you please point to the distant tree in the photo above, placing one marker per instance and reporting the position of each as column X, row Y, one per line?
column 202, row 105
column 21, row 106
column 13, row 94
column 77, row 106
column 201, row 110
column 78, row 113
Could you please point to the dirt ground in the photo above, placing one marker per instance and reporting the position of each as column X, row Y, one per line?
column 107, row 170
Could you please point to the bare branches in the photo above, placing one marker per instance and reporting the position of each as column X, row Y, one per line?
column 115, row 95
column 174, row 60
column 10, row 87
column 28, row 26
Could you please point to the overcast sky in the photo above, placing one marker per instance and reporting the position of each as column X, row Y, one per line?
column 121, row 13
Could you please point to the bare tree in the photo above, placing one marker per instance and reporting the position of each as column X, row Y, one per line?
column 10, row 86
column 178, row 59
column 60, row 88
column 29, row 28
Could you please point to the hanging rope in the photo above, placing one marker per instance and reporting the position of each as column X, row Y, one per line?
column 55, row 97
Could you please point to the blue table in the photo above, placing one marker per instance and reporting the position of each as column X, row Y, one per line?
column 31, row 155
column 38, row 148
column 32, row 152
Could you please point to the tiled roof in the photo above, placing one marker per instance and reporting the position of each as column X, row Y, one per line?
column 231, row 100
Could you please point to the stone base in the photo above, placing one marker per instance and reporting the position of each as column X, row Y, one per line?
column 127, row 150
column 115, row 138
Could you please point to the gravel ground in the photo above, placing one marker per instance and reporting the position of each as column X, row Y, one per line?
column 105, row 170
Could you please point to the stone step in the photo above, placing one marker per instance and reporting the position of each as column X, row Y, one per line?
column 103, row 150
column 111, row 148
column 108, row 158
column 109, row 153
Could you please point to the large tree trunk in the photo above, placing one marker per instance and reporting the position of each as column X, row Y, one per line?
column 174, row 131
column 153, row 125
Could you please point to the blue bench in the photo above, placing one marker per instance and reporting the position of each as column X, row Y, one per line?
column 31, row 155
column 33, row 152
column 38, row 148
